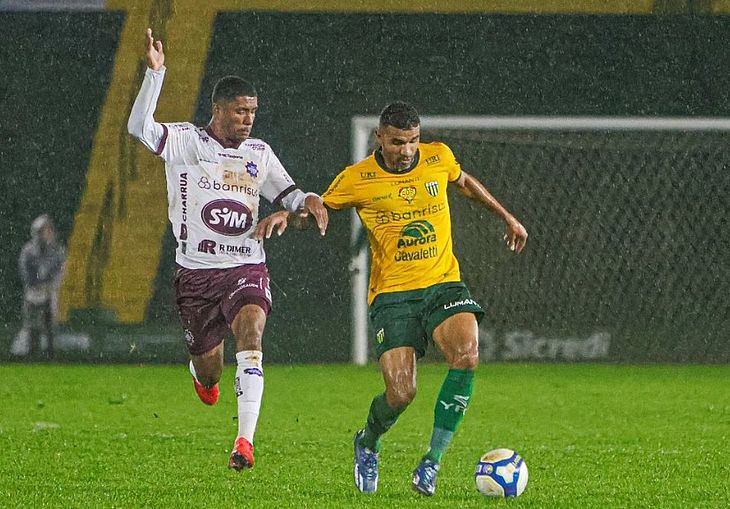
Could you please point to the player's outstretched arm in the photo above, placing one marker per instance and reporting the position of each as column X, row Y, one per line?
column 154, row 53
column 515, row 234
column 141, row 123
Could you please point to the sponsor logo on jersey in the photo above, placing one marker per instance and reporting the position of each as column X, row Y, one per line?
column 382, row 197
column 184, row 196
column 212, row 247
column 401, row 182
column 227, row 217
column 206, row 246
column 432, row 187
column 232, row 249
column 417, row 234
column 256, row 146
column 367, row 175
column 252, row 169
column 433, row 159
column 205, row 183
column 386, row 216
column 407, row 193
column 229, row 156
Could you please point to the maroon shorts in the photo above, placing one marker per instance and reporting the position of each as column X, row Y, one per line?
column 209, row 299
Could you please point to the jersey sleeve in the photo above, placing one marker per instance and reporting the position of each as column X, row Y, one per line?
column 340, row 193
column 177, row 144
column 279, row 187
column 169, row 141
column 452, row 165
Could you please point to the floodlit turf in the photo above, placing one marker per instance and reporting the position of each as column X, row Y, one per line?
column 593, row 436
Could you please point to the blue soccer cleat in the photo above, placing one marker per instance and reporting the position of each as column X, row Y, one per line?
column 424, row 477
column 366, row 466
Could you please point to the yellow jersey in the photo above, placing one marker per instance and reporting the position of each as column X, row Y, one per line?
column 406, row 216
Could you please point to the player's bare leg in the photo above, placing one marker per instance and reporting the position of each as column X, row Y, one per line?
column 248, row 328
column 206, row 370
column 457, row 338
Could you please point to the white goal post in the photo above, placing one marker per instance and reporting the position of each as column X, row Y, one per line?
column 362, row 127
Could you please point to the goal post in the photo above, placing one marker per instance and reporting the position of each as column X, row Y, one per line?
column 596, row 128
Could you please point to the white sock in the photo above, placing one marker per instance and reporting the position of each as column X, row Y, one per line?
column 192, row 371
column 249, row 387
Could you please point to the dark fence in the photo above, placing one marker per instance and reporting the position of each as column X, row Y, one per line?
column 629, row 249
column 315, row 71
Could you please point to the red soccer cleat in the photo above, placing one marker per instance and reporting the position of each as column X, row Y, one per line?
column 209, row 396
column 242, row 455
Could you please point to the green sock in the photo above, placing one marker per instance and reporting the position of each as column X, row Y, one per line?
column 452, row 402
column 380, row 418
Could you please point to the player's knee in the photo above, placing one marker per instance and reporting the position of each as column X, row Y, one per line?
column 249, row 339
column 401, row 397
column 248, row 328
column 464, row 358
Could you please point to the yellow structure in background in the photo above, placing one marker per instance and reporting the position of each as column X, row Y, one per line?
column 721, row 6
column 115, row 247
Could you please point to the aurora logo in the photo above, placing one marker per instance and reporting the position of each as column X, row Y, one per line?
column 416, row 233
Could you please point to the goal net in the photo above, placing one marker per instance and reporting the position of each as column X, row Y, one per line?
column 628, row 255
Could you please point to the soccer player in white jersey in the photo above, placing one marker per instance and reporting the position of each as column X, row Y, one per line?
column 215, row 176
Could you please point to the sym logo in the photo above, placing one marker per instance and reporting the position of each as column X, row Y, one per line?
column 227, row 217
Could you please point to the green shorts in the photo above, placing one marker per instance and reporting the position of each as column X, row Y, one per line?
column 409, row 318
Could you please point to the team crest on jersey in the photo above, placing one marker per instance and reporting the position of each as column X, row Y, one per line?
column 380, row 336
column 252, row 169
column 407, row 193
column 432, row 187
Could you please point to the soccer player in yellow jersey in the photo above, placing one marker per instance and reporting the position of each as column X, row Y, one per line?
column 416, row 292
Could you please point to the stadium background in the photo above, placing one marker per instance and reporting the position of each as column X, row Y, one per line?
column 69, row 78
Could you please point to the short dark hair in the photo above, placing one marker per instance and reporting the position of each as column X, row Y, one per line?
column 400, row 115
column 230, row 87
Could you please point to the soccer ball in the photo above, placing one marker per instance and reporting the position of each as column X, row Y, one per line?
column 501, row 473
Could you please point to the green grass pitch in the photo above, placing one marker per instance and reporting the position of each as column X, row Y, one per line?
column 593, row 436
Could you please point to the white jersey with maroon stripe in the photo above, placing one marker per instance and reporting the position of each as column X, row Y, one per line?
column 213, row 191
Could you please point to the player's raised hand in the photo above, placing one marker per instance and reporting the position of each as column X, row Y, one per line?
column 515, row 235
column 313, row 205
column 277, row 220
column 155, row 55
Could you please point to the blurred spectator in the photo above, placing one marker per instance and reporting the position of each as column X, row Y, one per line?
column 41, row 265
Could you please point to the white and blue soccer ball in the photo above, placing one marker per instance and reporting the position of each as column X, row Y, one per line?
column 501, row 473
